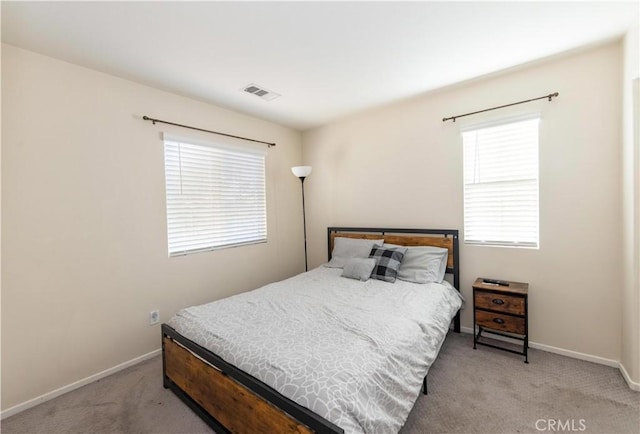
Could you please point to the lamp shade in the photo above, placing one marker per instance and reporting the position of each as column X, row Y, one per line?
column 301, row 171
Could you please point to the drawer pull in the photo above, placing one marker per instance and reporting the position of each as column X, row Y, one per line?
column 497, row 301
column 498, row 320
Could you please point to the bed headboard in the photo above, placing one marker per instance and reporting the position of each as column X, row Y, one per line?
column 447, row 238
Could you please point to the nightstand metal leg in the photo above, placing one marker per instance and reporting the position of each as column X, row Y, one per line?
column 476, row 337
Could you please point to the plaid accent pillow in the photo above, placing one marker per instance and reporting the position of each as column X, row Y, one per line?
column 388, row 261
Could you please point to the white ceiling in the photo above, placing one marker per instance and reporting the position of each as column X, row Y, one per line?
column 327, row 59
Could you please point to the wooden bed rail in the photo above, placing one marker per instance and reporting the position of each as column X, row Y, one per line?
column 227, row 398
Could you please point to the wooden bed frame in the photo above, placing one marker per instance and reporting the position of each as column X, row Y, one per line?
column 230, row 400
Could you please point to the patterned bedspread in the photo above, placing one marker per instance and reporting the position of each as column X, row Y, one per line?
column 353, row 352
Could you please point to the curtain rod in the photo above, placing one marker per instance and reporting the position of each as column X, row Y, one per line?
column 551, row 95
column 147, row 118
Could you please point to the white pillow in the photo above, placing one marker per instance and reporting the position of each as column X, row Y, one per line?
column 423, row 264
column 345, row 248
column 359, row 268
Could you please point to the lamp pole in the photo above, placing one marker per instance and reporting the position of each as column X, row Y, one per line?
column 302, row 172
column 304, row 225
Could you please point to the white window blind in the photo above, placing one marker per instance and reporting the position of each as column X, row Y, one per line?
column 501, row 183
column 215, row 196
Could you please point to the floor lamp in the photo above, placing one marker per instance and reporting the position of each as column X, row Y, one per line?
column 302, row 172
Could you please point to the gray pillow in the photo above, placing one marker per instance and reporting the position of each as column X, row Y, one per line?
column 346, row 248
column 423, row 264
column 359, row 268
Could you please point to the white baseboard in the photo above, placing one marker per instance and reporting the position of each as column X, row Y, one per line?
column 573, row 354
column 632, row 384
column 76, row 385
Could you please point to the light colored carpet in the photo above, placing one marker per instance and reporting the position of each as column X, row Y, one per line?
column 470, row 391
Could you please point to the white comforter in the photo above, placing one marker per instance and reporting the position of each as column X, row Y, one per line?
column 353, row 352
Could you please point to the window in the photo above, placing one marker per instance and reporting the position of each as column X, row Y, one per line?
column 215, row 196
column 501, row 183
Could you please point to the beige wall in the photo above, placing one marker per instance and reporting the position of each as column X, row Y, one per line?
column 401, row 166
column 84, row 249
column 631, row 207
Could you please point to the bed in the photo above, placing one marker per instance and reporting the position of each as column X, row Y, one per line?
column 316, row 352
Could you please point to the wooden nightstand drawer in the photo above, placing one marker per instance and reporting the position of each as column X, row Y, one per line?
column 501, row 302
column 496, row 321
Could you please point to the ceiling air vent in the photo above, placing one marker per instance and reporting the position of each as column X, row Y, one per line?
column 261, row 92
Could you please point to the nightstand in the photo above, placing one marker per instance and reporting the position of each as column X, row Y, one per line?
column 501, row 308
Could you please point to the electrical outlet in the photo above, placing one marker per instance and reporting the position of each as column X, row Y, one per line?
column 154, row 317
